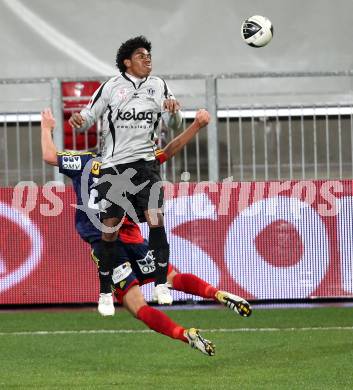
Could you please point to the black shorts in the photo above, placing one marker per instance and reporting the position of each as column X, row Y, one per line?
column 130, row 189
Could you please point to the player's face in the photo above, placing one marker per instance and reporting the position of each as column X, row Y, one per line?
column 140, row 63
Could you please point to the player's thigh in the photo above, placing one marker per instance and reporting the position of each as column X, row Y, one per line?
column 151, row 195
column 111, row 211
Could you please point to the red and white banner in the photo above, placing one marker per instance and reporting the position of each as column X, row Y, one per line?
column 273, row 240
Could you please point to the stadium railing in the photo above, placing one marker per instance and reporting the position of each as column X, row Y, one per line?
column 270, row 126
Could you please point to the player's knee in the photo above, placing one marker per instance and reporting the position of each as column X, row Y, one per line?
column 134, row 300
column 111, row 221
column 109, row 236
column 113, row 225
column 137, row 306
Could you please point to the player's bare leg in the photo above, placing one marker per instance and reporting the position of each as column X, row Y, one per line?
column 134, row 301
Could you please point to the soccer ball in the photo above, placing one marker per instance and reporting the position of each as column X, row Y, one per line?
column 257, row 31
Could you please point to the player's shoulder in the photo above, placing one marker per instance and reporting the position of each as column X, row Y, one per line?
column 112, row 82
column 161, row 84
column 119, row 79
column 118, row 84
column 115, row 79
column 156, row 79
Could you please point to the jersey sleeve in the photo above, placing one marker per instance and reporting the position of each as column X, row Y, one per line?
column 71, row 164
column 96, row 106
column 167, row 93
column 161, row 157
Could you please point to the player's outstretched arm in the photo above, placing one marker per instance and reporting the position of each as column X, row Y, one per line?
column 202, row 119
column 48, row 147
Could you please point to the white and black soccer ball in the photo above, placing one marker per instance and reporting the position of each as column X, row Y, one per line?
column 257, row 31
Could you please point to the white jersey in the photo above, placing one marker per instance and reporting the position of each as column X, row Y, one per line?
column 131, row 112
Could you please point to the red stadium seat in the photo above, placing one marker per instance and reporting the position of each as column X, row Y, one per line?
column 75, row 96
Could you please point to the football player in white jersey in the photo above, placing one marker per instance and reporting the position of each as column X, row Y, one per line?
column 131, row 105
column 138, row 268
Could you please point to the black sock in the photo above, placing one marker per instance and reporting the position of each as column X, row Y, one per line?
column 105, row 283
column 158, row 243
column 105, row 253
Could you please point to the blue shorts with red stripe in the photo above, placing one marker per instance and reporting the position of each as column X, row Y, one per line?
column 142, row 269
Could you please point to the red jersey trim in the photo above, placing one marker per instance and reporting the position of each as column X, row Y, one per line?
column 161, row 157
column 130, row 233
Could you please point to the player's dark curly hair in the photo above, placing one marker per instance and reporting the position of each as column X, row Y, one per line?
column 127, row 48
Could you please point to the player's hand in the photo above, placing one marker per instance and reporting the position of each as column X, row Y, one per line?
column 47, row 121
column 171, row 105
column 76, row 121
column 202, row 118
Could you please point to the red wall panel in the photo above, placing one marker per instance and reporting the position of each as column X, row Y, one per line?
column 273, row 240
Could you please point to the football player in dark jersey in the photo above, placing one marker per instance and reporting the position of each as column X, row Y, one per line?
column 131, row 105
column 137, row 265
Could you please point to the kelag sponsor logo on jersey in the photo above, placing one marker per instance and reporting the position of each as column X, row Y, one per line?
column 136, row 116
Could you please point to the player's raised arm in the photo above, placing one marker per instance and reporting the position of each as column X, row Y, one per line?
column 93, row 111
column 202, row 119
column 48, row 147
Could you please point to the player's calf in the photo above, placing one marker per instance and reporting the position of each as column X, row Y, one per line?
column 106, row 300
column 105, row 280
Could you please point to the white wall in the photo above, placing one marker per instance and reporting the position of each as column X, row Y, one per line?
column 188, row 36
column 79, row 38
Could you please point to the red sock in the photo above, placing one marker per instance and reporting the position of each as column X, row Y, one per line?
column 192, row 284
column 161, row 323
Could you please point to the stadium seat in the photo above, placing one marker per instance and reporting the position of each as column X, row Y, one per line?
column 75, row 96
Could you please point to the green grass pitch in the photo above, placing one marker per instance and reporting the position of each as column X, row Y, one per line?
column 272, row 349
